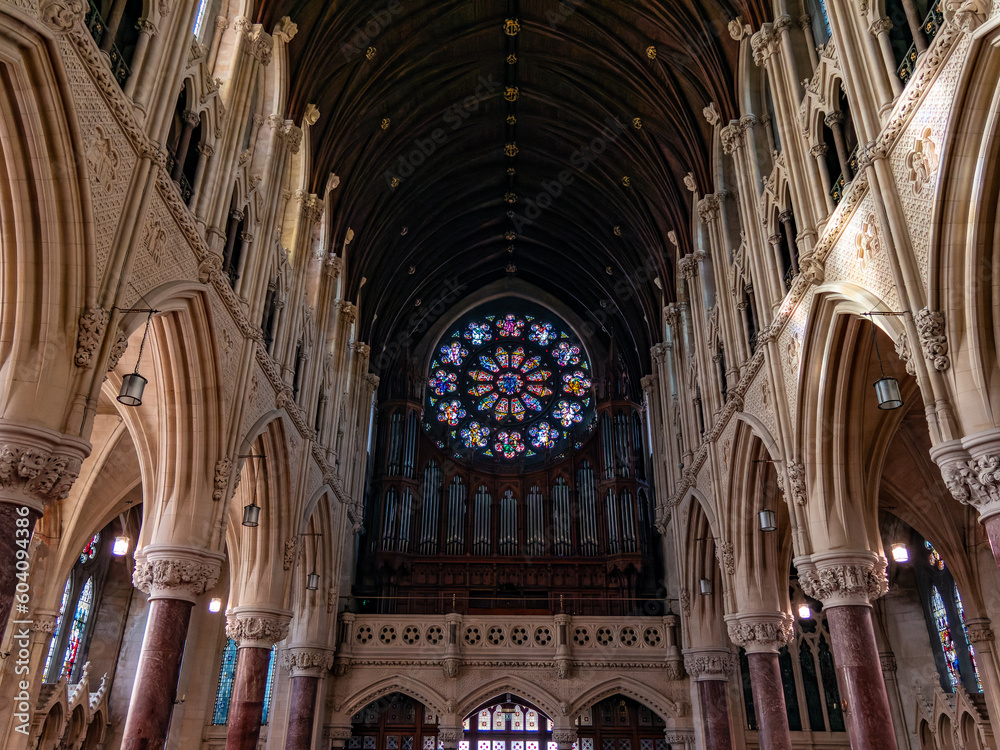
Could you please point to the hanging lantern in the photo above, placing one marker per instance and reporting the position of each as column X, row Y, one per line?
column 120, row 547
column 508, row 707
column 312, row 581
column 705, row 587
column 768, row 520
column 251, row 514
column 805, row 612
column 133, row 384
column 215, row 605
column 887, row 391
column 900, row 552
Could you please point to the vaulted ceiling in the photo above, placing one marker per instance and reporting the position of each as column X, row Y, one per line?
column 416, row 120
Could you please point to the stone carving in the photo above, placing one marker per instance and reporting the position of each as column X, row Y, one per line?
column 261, row 631
column 564, row 736
column 685, row 599
column 867, row 242
column 797, row 482
column 765, row 634
column 930, row 328
column 331, row 599
column 285, row 30
column 709, row 665
column 966, row 14
column 62, row 15
column 92, row 324
column 922, row 161
column 711, row 114
column 103, row 159
column 675, row 670
column 308, row 662
column 117, row 350
column 183, row 577
column 887, row 662
column 738, row 30
column 845, row 582
column 902, row 345
column 154, row 239
column 451, row 667
column 687, row 266
column 724, row 554
column 39, row 474
column 221, row 481
column 43, row 623
column 291, row 552
column 975, row 482
column 979, row 631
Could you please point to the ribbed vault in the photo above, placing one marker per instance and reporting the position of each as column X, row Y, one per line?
column 428, row 108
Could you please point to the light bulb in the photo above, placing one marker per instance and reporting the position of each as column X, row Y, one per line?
column 805, row 612
column 120, row 547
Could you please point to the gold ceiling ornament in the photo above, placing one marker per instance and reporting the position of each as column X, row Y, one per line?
column 510, row 196
column 626, row 181
column 370, row 53
column 618, row 231
column 403, row 231
column 510, row 93
column 511, row 26
column 511, row 119
column 637, row 123
column 510, row 249
column 511, row 58
column 510, row 214
column 510, row 236
column 511, row 268
column 511, row 171
column 413, row 270
column 417, row 303
column 385, row 123
column 651, row 52
column 510, row 149
column 394, row 183
column 608, row 271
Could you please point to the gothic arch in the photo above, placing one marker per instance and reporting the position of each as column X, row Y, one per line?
column 652, row 699
column 397, row 684
column 514, row 685
column 701, row 533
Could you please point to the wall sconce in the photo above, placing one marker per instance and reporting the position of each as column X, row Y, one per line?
column 134, row 384
column 900, row 552
column 805, row 612
column 120, row 547
column 705, row 587
column 215, row 605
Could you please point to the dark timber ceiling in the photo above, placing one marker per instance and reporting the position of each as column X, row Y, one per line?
column 439, row 75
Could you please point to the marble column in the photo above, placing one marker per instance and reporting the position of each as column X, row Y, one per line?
column 968, row 467
column 710, row 670
column 762, row 636
column 846, row 583
column 173, row 577
column 306, row 666
column 255, row 630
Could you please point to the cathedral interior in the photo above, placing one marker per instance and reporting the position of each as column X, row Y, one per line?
column 499, row 374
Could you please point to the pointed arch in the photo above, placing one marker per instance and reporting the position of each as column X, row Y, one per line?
column 515, row 685
column 638, row 691
column 415, row 689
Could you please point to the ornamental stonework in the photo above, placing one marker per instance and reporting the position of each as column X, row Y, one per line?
column 257, row 630
column 847, row 583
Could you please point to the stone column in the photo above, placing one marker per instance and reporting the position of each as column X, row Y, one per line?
column 306, row 666
column 190, row 122
column 880, row 30
column 916, row 24
column 173, row 577
column 833, row 121
column 255, row 630
column 37, row 466
column 785, row 217
column 819, row 151
column 846, row 583
column 762, row 636
column 888, row 663
column 710, row 670
column 147, row 30
column 971, row 466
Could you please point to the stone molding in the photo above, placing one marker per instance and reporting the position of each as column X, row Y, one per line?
column 761, row 632
column 257, row 627
column 38, row 465
column 979, row 631
column 709, row 664
column 564, row 736
column 307, row 661
column 173, row 572
column 840, row 579
column 971, row 471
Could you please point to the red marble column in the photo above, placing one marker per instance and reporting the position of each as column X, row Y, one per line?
column 247, row 707
column 15, row 534
column 715, row 714
column 859, row 677
column 769, row 701
column 992, row 526
column 155, row 686
column 301, row 712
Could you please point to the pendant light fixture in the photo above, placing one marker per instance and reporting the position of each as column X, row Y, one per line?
column 133, row 384
column 768, row 520
column 508, row 707
column 251, row 512
column 900, row 552
column 312, row 579
column 886, row 388
column 705, row 587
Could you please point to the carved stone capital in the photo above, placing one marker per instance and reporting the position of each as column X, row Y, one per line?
column 257, row 627
column 843, row 578
column 887, row 660
column 564, row 736
column 709, row 664
column 44, row 622
column 190, row 117
column 307, row 661
column 819, row 149
column 979, row 631
column 708, row 208
column 880, row 26
column 762, row 632
column 687, row 266
column 834, row 118
column 38, row 466
column 348, row 312
column 173, row 572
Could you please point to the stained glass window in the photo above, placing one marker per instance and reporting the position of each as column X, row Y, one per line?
column 960, row 608
column 269, row 686
column 224, row 692
column 509, row 386
column 55, row 632
column 944, row 636
column 79, row 623
column 90, row 551
column 933, row 557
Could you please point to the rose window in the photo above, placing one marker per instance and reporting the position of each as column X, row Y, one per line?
column 509, row 386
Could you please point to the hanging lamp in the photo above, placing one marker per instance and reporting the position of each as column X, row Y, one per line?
column 886, row 388
column 133, row 384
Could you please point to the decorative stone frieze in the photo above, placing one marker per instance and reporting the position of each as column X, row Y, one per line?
column 842, row 579
column 933, row 341
column 975, row 482
column 979, row 631
column 305, row 661
column 761, row 633
column 173, row 572
column 707, row 665
column 257, row 627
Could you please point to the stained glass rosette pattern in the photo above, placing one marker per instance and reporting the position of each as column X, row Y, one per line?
column 509, row 386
